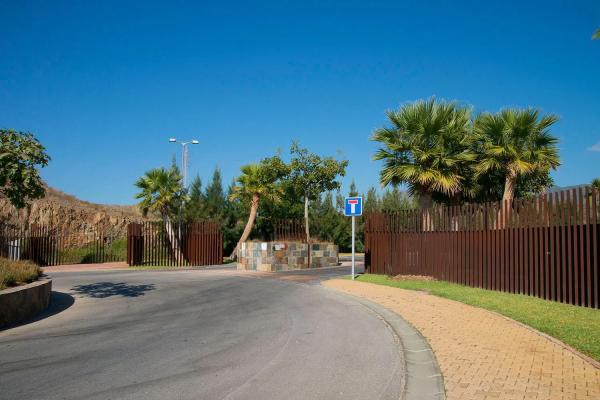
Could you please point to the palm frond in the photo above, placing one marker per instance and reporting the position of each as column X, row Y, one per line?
column 516, row 140
column 426, row 146
column 160, row 191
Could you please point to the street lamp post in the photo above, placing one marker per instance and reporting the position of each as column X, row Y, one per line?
column 184, row 157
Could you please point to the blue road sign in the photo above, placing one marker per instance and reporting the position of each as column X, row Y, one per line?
column 353, row 206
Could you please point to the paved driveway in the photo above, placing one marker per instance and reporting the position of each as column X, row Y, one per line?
column 212, row 334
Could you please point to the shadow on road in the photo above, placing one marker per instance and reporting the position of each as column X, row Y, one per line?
column 101, row 290
column 59, row 302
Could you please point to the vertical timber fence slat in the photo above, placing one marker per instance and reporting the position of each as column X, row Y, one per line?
column 594, row 246
column 49, row 246
column 177, row 245
column 545, row 246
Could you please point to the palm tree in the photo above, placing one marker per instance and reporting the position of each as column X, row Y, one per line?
column 596, row 34
column 161, row 193
column 257, row 181
column 515, row 142
column 427, row 147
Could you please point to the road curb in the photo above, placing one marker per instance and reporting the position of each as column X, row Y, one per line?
column 424, row 379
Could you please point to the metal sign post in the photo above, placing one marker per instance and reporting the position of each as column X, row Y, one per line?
column 353, row 241
column 353, row 208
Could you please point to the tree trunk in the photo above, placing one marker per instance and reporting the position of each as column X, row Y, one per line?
column 249, row 225
column 455, row 201
column 307, row 230
column 425, row 202
column 509, row 186
column 507, row 198
column 174, row 240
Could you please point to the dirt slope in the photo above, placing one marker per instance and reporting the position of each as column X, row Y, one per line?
column 70, row 214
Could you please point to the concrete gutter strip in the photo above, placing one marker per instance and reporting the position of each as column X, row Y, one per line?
column 424, row 379
column 22, row 302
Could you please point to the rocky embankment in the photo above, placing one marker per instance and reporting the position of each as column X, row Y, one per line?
column 67, row 214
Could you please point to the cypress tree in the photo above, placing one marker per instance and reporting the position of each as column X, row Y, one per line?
column 215, row 200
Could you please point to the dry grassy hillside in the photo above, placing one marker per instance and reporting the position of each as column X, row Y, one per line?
column 69, row 214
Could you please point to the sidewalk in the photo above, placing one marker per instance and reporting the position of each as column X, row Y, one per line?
column 85, row 267
column 483, row 355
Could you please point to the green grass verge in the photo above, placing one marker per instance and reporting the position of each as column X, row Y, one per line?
column 579, row 327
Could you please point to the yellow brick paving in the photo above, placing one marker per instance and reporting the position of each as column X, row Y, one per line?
column 481, row 354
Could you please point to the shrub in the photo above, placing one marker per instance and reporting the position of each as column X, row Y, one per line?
column 93, row 252
column 13, row 273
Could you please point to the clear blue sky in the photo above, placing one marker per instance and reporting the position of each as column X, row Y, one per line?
column 104, row 85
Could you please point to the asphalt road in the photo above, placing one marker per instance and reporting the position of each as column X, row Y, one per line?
column 208, row 334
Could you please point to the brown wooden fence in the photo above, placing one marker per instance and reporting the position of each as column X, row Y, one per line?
column 547, row 246
column 48, row 246
column 188, row 244
column 289, row 230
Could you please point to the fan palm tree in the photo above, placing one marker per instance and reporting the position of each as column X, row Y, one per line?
column 427, row 147
column 161, row 193
column 515, row 142
column 257, row 182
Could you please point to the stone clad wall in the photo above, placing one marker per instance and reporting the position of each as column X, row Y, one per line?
column 285, row 256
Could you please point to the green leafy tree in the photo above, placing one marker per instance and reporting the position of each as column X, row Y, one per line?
column 325, row 218
column 214, row 198
column 195, row 207
column 394, row 200
column 427, row 146
column 596, row 184
column 312, row 175
column 346, row 224
column 372, row 203
column 596, row 34
column 342, row 231
column 286, row 208
column 20, row 156
column 258, row 181
column 161, row 193
column 352, row 192
column 515, row 143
